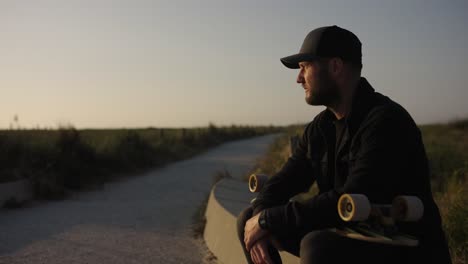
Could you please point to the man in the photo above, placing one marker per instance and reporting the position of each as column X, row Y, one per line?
column 363, row 142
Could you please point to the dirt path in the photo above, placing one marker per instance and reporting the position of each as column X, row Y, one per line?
column 146, row 219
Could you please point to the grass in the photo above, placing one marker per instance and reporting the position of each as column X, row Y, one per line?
column 446, row 149
column 65, row 159
column 278, row 152
column 446, row 146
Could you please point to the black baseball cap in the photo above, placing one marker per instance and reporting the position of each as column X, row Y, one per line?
column 327, row 42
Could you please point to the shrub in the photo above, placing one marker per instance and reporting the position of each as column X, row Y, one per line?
column 56, row 161
column 134, row 152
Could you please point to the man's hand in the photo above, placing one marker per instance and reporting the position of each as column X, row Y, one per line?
column 253, row 232
column 259, row 252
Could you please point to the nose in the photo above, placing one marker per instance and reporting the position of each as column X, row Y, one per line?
column 300, row 77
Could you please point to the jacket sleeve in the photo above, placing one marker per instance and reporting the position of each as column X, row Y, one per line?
column 375, row 171
column 294, row 177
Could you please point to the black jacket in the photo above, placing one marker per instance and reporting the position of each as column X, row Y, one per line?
column 381, row 155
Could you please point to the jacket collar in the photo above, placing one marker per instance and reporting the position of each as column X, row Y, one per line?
column 359, row 107
column 361, row 103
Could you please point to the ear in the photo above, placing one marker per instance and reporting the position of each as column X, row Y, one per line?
column 335, row 66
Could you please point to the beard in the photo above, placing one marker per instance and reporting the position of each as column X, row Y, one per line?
column 325, row 90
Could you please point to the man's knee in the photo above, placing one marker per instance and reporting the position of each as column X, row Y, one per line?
column 314, row 239
column 318, row 247
column 326, row 246
column 243, row 217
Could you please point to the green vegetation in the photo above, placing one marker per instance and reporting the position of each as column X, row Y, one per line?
column 446, row 147
column 56, row 161
column 278, row 152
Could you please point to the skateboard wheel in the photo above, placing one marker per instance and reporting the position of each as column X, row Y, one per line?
column 353, row 207
column 407, row 208
column 256, row 182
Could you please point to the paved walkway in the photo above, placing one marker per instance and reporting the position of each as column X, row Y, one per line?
column 146, row 219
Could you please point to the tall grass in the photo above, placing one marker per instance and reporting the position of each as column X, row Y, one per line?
column 56, row 161
column 446, row 147
column 277, row 153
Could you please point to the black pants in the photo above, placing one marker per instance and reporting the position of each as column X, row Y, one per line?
column 325, row 246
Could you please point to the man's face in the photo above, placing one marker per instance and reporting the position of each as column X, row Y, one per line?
column 320, row 88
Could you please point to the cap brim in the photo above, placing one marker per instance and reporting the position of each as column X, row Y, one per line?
column 292, row 61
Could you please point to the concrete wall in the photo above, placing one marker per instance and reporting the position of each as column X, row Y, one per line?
column 227, row 199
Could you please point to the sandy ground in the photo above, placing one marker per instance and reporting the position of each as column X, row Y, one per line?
column 146, row 219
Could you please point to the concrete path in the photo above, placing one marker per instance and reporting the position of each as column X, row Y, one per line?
column 146, row 219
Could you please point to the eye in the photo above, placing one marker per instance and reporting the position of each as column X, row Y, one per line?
column 303, row 64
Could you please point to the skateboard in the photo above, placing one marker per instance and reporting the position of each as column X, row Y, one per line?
column 377, row 222
column 370, row 222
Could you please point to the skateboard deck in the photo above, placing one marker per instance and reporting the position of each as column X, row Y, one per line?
column 365, row 233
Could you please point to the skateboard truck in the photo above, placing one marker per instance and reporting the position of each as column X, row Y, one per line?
column 356, row 207
column 376, row 222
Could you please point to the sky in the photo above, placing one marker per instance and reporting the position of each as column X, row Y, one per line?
column 135, row 63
